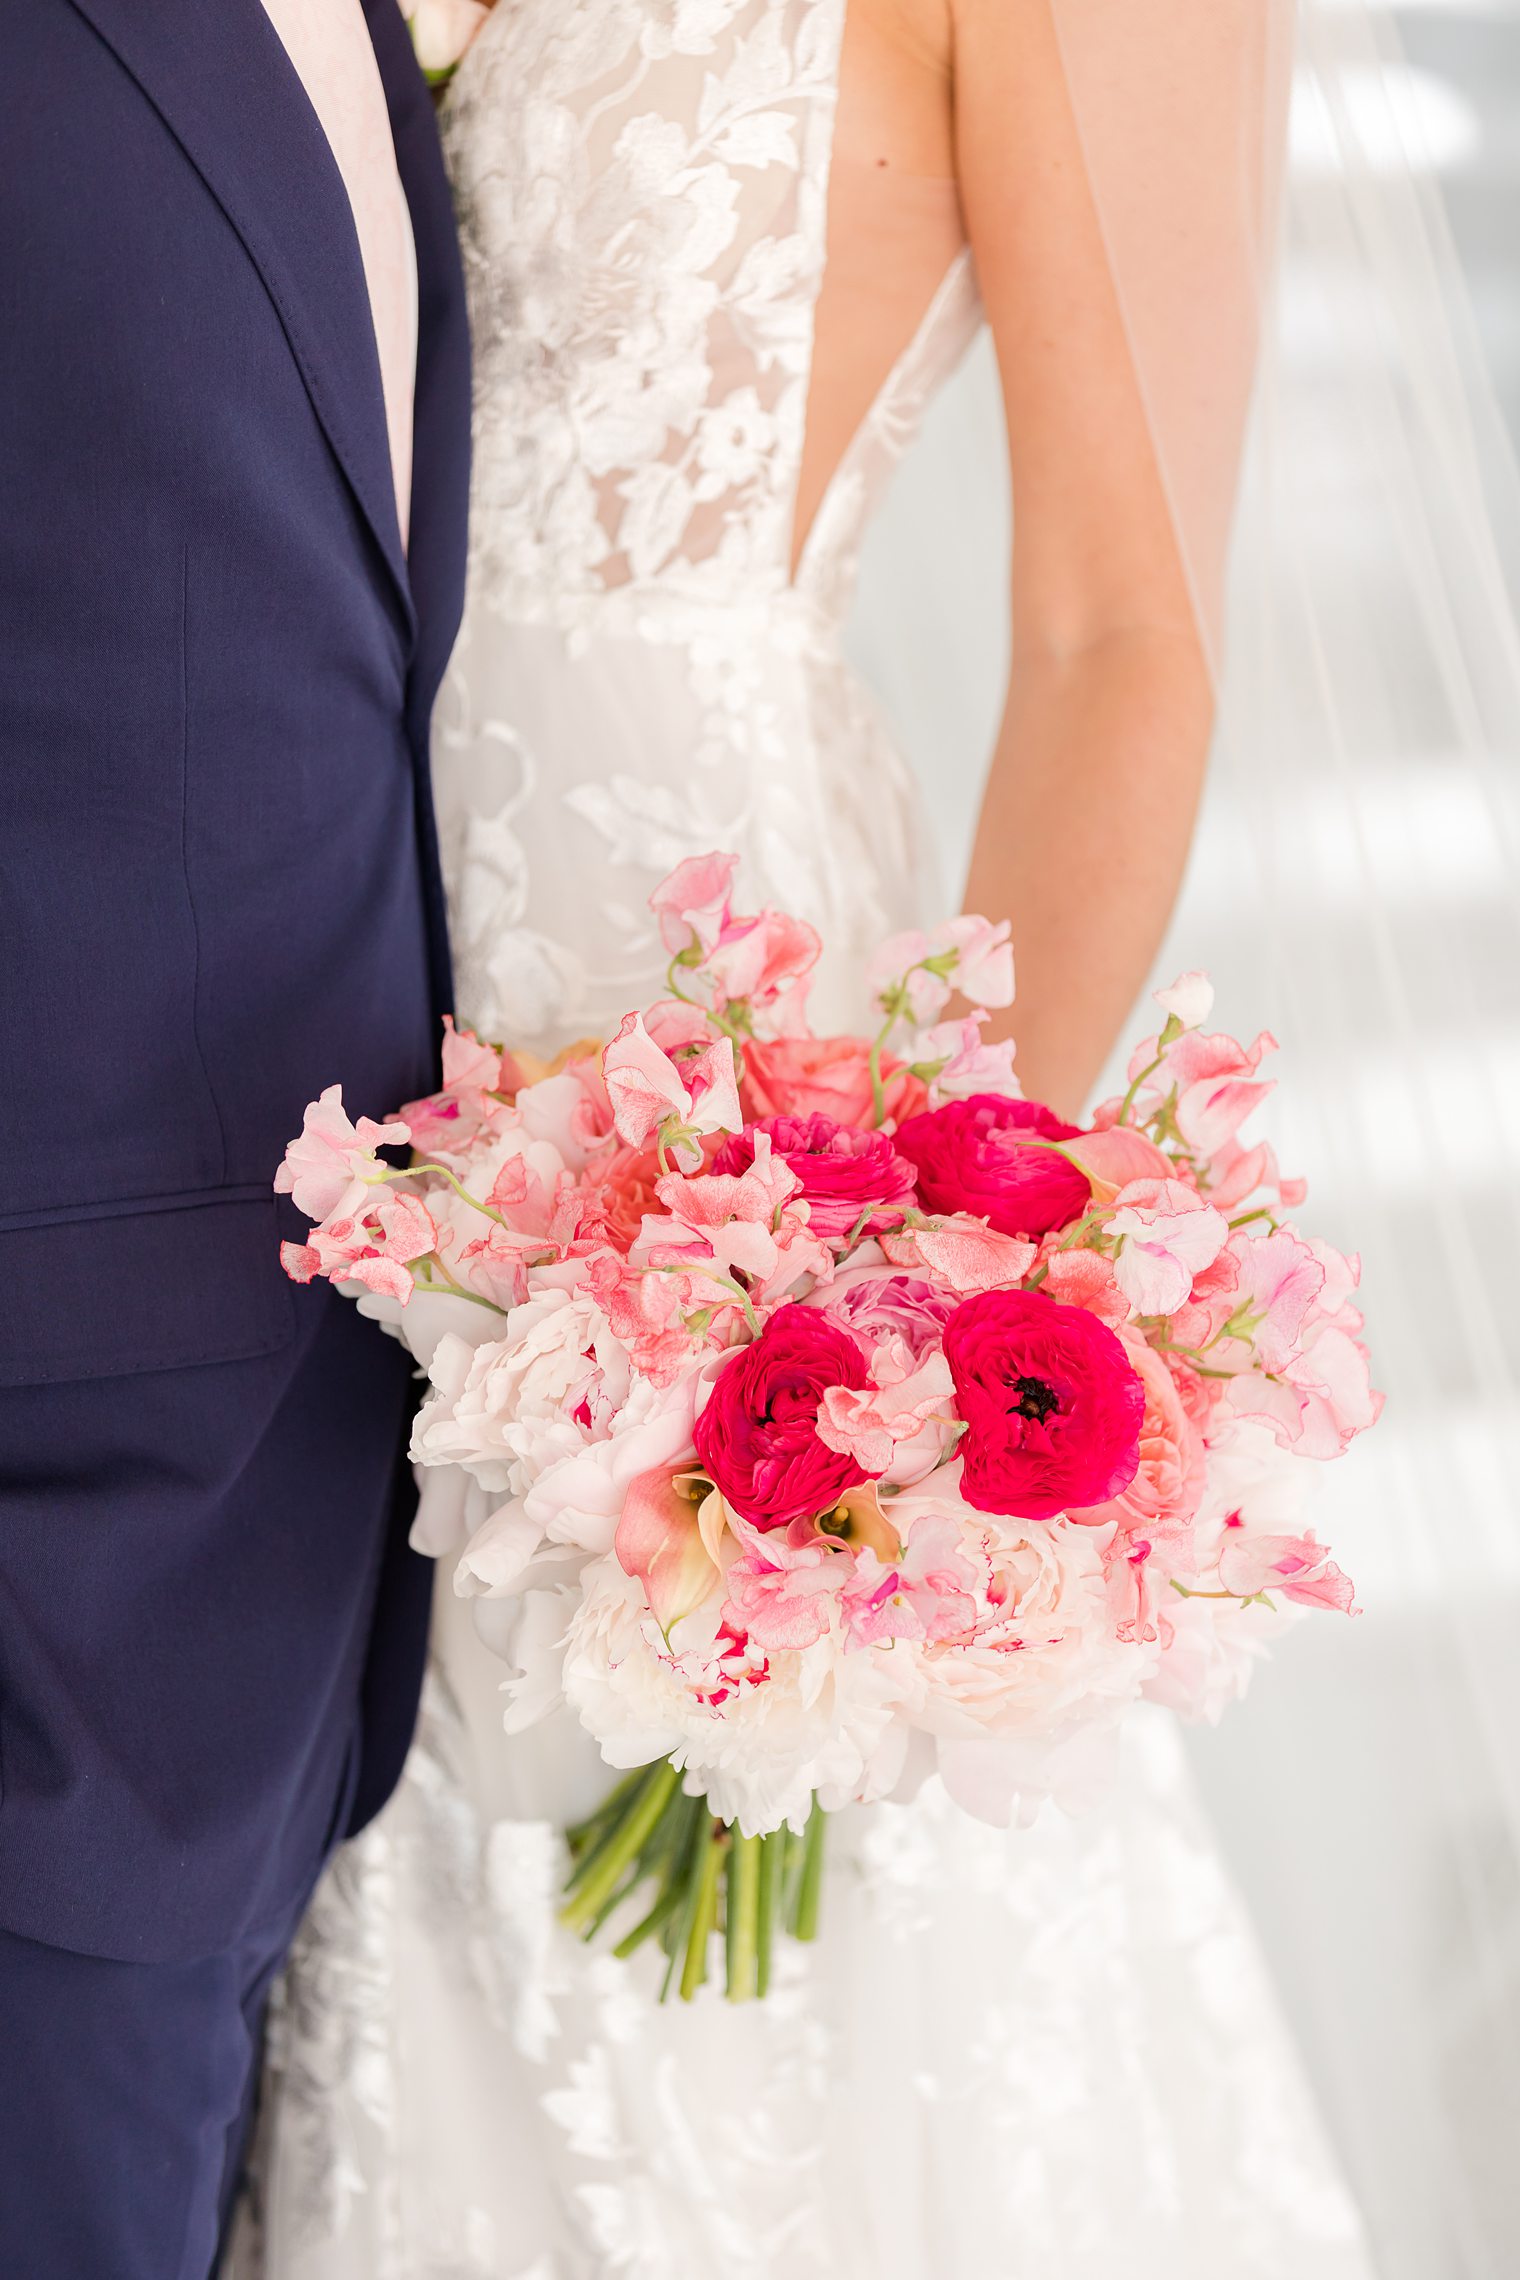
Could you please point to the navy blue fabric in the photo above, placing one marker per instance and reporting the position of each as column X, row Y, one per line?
column 132, row 2080
column 218, row 892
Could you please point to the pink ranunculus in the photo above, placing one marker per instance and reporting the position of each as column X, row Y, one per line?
column 651, row 1094
column 1296, row 1566
column 842, row 1172
column 926, row 1595
column 1051, row 1401
column 982, row 1156
column 329, row 1166
column 758, row 1435
column 824, row 1076
column 1169, row 1234
column 695, row 904
column 880, row 1302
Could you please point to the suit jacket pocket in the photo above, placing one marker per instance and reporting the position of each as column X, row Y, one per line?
column 158, row 1285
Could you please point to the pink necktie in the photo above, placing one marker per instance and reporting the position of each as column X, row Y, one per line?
column 329, row 46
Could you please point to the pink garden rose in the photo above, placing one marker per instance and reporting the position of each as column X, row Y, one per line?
column 1051, row 1401
column 842, row 1171
column 884, row 1302
column 1156, row 1508
column 758, row 1435
column 825, row 1076
column 975, row 1156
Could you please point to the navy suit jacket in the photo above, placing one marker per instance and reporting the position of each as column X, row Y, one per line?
column 219, row 892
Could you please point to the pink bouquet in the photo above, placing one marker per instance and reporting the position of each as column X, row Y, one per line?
column 836, row 1414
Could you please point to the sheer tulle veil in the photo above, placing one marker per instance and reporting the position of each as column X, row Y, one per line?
column 1289, row 286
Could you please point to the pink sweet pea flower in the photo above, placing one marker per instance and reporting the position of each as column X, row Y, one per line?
column 755, row 959
column 695, row 903
column 1277, row 1280
column 333, row 1162
column 926, row 1595
column 965, row 1065
column 655, row 1103
column 961, row 1254
column 1086, row 1278
column 467, row 1062
column 1297, row 1566
column 374, row 1246
column 783, row 1591
column 1189, row 1001
column 901, row 1425
column 1216, row 1087
column 1168, row 1236
column 968, row 954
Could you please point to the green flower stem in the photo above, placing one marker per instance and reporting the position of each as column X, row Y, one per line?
column 810, row 1882
column 742, row 1917
column 704, row 1914
column 677, row 1928
column 606, row 1862
column 591, row 1846
column 656, row 1920
column 578, row 1837
column 771, row 1885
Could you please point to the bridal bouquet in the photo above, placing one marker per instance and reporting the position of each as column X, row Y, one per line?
column 838, row 1414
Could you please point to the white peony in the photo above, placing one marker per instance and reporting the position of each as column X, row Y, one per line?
column 756, row 1736
column 509, row 1410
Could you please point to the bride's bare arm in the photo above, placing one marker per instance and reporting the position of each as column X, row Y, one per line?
column 1100, row 761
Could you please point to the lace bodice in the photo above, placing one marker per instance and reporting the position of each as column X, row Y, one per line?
column 643, row 198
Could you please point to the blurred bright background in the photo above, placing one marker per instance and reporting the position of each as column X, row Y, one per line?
column 1368, row 1793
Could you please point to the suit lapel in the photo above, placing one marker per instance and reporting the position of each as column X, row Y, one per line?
column 219, row 76
column 441, row 425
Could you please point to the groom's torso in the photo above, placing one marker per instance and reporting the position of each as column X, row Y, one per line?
column 218, row 888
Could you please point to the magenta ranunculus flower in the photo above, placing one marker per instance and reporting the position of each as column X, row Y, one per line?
column 757, row 1438
column 975, row 1155
column 844, row 1171
column 1051, row 1404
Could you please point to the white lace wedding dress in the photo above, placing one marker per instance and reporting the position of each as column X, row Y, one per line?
column 1047, row 2055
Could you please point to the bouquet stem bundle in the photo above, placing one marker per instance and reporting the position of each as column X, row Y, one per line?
column 700, row 1875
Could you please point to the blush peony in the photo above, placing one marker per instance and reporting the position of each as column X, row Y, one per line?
column 1051, row 1402
column 843, row 1172
column 758, row 1435
column 976, row 1156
